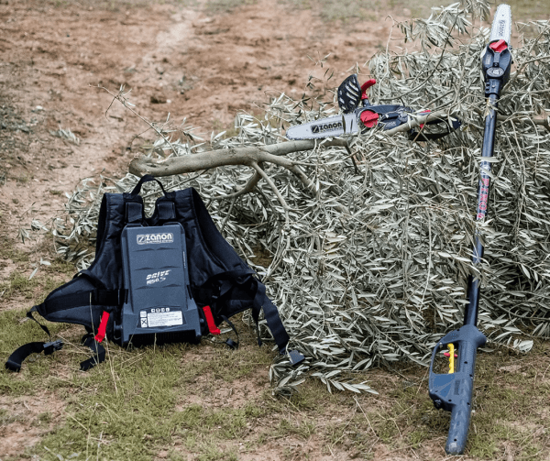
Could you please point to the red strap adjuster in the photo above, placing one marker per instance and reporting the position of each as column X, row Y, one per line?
column 102, row 327
column 210, row 321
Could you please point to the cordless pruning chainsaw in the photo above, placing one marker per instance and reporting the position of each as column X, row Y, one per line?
column 359, row 115
column 453, row 390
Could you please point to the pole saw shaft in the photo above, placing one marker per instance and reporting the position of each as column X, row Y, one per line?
column 453, row 391
column 474, row 286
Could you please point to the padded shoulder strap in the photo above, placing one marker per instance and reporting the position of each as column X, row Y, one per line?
column 217, row 271
column 271, row 314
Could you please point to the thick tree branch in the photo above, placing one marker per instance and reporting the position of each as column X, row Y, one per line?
column 252, row 157
column 220, row 157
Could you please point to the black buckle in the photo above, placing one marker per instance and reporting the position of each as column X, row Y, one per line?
column 51, row 347
column 294, row 356
column 232, row 344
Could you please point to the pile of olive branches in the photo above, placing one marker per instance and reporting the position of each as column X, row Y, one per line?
column 370, row 265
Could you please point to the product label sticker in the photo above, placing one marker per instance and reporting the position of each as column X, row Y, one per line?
column 167, row 318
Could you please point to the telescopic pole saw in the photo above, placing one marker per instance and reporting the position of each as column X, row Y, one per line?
column 453, row 391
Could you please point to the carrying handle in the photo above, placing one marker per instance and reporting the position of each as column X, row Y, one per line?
column 143, row 180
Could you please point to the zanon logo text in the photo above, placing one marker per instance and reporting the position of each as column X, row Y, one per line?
column 326, row 127
column 501, row 27
column 146, row 239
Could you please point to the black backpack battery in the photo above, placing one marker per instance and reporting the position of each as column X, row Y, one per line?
column 159, row 307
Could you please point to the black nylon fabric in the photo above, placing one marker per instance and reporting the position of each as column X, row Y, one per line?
column 18, row 356
column 209, row 254
column 218, row 276
column 105, row 273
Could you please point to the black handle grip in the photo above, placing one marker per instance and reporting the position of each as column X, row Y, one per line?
column 453, row 391
column 460, row 423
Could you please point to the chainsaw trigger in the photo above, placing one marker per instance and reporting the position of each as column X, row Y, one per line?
column 452, row 357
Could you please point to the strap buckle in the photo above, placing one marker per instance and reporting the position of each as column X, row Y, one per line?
column 294, row 356
column 51, row 347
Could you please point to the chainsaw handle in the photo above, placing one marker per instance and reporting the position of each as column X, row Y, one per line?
column 365, row 86
column 458, row 428
column 350, row 93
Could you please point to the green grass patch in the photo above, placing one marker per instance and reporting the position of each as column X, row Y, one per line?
column 16, row 330
column 509, row 406
column 127, row 407
column 19, row 284
column 129, row 404
column 7, row 251
column 508, row 410
column 132, row 406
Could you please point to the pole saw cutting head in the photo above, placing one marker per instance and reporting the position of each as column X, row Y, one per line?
column 359, row 115
column 496, row 61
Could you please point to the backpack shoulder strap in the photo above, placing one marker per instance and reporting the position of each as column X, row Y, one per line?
column 218, row 275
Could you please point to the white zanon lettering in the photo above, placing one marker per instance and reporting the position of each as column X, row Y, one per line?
column 144, row 239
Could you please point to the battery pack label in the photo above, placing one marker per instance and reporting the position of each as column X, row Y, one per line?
column 155, row 319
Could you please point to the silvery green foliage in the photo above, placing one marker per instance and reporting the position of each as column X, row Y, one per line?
column 373, row 267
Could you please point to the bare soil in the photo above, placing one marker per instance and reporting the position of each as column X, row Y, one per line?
column 175, row 60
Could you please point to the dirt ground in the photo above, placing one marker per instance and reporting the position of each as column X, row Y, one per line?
column 194, row 62
column 176, row 60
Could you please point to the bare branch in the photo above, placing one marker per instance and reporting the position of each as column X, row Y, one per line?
column 222, row 157
column 264, row 175
column 249, row 187
column 121, row 97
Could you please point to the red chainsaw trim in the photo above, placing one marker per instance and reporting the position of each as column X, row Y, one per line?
column 210, row 321
column 369, row 118
column 499, row 46
column 102, row 327
column 427, row 111
column 365, row 86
